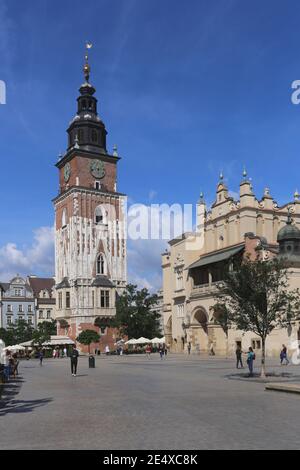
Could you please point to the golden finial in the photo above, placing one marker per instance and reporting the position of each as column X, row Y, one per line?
column 86, row 67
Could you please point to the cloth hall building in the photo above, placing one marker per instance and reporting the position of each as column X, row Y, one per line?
column 229, row 229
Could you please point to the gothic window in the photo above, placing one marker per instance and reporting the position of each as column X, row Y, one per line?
column 104, row 299
column 60, row 300
column 101, row 265
column 99, row 216
column 68, row 301
column 64, row 218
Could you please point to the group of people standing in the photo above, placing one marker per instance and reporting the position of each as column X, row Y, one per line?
column 251, row 358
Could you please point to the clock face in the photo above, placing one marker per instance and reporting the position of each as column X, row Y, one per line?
column 97, row 169
column 67, row 172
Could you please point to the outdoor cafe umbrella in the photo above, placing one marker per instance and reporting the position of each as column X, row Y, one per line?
column 15, row 347
column 131, row 341
column 158, row 340
column 142, row 340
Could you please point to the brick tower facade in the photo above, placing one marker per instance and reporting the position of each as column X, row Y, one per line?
column 90, row 226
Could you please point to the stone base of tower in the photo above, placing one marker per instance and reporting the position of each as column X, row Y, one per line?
column 108, row 338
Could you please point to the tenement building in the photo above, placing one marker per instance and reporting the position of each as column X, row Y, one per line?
column 90, row 242
column 230, row 229
column 44, row 294
column 17, row 302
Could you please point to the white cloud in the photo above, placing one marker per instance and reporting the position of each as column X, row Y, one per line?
column 36, row 259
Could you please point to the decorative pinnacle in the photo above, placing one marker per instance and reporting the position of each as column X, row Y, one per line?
column 296, row 195
column 87, row 67
column 221, row 176
column 244, row 173
column 289, row 217
column 115, row 151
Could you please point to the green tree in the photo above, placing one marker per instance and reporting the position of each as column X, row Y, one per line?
column 21, row 331
column 87, row 337
column 7, row 336
column 256, row 298
column 136, row 315
column 44, row 331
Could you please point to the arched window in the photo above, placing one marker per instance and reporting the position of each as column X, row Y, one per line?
column 64, row 218
column 99, row 216
column 101, row 268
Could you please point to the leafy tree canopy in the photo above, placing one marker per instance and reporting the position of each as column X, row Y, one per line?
column 136, row 315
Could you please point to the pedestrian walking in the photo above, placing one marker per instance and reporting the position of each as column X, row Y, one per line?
column 54, row 353
column 65, row 352
column 189, row 348
column 74, row 360
column 165, row 350
column 283, row 355
column 250, row 359
column 107, row 350
column 148, row 351
column 239, row 353
column 161, row 352
column 41, row 357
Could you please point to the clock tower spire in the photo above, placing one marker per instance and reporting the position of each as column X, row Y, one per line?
column 90, row 238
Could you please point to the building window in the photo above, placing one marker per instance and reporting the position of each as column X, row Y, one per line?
column 41, row 314
column 21, row 317
column 48, row 314
column 100, row 265
column 20, row 308
column 256, row 344
column 64, row 218
column 104, row 299
column 30, row 322
column 9, row 321
column 99, row 219
column 68, row 300
column 60, row 300
column 29, row 308
column 98, row 187
column 18, row 292
column 180, row 310
column 93, row 299
column 94, row 136
column 179, row 279
column 9, row 309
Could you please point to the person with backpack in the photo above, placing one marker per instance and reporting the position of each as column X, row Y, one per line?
column 250, row 359
column 283, row 355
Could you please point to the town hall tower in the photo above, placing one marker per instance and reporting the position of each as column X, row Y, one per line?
column 90, row 224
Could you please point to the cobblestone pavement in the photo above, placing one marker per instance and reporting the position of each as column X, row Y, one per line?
column 135, row 403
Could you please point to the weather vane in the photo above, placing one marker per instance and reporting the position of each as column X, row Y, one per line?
column 86, row 67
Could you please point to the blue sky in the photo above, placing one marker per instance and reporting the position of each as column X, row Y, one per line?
column 185, row 90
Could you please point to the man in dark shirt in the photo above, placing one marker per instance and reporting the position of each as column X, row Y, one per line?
column 74, row 360
column 239, row 353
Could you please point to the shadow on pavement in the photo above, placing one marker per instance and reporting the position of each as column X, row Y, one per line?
column 8, row 404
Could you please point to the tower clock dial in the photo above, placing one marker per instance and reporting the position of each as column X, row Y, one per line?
column 97, row 169
column 67, row 172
